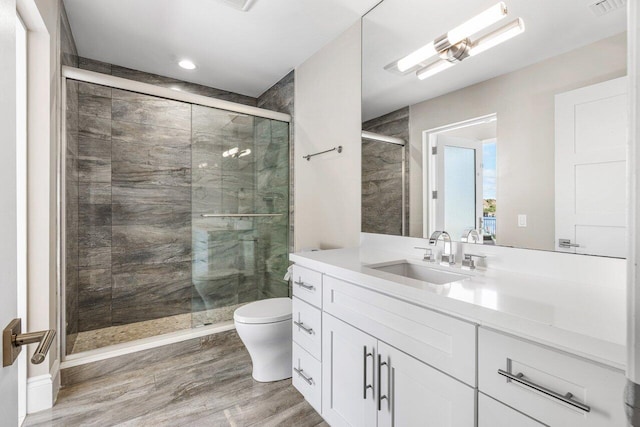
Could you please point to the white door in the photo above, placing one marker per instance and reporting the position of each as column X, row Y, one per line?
column 348, row 377
column 419, row 395
column 590, row 169
column 8, row 214
column 457, row 189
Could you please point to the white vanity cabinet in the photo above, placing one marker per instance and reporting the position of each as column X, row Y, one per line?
column 367, row 382
column 366, row 358
column 307, row 334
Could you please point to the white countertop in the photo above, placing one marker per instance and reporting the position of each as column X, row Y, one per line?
column 588, row 321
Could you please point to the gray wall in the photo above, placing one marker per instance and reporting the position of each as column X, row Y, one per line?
column 328, row 114
column 154, row 79
column 382, row 175
column 280, row 97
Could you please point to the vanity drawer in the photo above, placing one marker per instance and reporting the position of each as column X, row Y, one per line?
column 547, row 375
column 307, row 285
column 492, row 413
column 307, row 377
column 446, row 343
column 307, row 327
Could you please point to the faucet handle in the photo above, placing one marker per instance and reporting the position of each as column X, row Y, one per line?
column 468, row 263
column 448, row 260
column 428, row 254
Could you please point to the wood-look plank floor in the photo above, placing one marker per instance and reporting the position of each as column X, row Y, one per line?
column 211, row 387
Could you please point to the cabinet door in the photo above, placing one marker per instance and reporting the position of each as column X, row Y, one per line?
column 492, row 413
column 348, row 375
column 418, row 395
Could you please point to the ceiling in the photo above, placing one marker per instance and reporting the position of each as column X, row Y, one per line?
column 242, row 52
column 397, row 27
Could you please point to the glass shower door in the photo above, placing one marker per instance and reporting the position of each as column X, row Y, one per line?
column 240, row 199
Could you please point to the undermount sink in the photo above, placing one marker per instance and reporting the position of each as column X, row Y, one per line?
column 420, row 272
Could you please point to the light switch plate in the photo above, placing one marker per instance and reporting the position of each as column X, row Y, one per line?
column 522, row 220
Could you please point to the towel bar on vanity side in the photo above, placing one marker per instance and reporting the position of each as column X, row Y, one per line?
column 13, row 339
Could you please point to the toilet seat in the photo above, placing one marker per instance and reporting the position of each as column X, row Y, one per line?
column 270, row 310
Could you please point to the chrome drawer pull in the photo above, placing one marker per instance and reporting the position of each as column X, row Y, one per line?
column 303, row 285
column 304, row 328
column 300, row 372
column 381, row 397
column 365, row 385
column 566, row 398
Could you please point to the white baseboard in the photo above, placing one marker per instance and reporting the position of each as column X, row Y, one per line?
column 42, row 390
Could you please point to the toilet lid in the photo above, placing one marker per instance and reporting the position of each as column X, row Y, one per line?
column 265, row 311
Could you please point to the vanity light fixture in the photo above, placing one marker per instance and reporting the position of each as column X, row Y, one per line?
column 467, row 48
column 187, row 64
column 456, row 45
column 453, row 37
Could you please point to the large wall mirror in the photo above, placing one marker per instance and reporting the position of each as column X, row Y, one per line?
column 507, row 118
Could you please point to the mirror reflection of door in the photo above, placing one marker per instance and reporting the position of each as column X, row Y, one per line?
column 458, row 197
column 461, row 160
column 590, row 181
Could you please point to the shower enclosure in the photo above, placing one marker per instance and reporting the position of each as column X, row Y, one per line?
column 175, row 212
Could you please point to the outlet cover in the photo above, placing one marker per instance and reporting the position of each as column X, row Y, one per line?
column 522, row 220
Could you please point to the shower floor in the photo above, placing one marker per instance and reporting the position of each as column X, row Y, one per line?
column 98, row 338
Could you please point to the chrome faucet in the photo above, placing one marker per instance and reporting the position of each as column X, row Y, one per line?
column 428, row 254
column 471, row 236
column 447, row 258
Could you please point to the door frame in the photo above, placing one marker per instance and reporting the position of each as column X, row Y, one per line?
column 21, row 205
column 429, row 178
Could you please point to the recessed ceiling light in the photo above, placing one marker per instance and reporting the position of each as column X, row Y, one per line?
column 187, row 65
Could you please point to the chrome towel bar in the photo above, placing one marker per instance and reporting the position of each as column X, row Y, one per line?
column 309, row 156
column 237, row 215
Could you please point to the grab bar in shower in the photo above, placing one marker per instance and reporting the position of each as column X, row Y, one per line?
column 236, row 215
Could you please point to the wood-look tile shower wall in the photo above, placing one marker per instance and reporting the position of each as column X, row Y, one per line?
column 134, row 180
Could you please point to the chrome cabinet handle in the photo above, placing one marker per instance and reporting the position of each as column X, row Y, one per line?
column 566, row 243
column 381, row 397
column 366, row 386
column 300, row 372
column 566, row 398
column 304, row 328
column 303, row 285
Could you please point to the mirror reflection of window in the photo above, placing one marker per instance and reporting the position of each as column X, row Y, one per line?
column 489, row 175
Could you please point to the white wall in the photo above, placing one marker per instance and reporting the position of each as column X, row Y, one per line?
column 328, row 114
column 524, row 102
column 41, row 19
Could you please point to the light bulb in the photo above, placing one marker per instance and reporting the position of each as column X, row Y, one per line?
column 416, row 57
column 497, row 37
column 434, row 68
column 477, row 23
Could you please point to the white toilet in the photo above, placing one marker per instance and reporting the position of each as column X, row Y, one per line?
column 265, row 329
